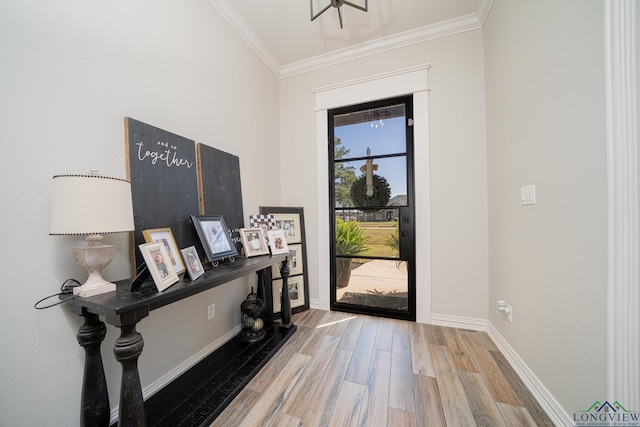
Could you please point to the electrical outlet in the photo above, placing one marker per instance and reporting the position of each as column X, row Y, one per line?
column 505, row 309
column 211, row 311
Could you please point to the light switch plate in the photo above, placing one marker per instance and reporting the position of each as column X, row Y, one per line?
column 528, row 195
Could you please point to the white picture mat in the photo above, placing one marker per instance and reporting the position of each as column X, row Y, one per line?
column 290, row 224
column 161, row 271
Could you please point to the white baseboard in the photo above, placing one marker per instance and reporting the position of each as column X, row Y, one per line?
column 161, row 382
column 459, row 322
column 314, row 303
column 549, row 404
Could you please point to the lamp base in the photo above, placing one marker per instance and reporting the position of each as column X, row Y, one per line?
column 94, row 257
column 96, row 287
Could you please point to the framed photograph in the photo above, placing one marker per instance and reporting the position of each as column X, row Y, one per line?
column 277, row 242
column 253, row 242
column 192, row 262
column 165, row 236
column 156, row 256
column 264, row 222
column 296, row 293
column 215, row 237
column 295, row 263
column 290, row 224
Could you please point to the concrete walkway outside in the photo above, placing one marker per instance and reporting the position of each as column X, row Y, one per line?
column 377, row 276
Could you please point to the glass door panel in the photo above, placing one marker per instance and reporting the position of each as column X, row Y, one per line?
column 372, row 209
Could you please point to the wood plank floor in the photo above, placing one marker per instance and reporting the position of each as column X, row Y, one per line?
column 342, row 369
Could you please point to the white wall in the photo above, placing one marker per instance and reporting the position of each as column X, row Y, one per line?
column 546, row 126
column 458, row 164
column 70, row 71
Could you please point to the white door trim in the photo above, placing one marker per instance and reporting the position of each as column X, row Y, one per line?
column 414, row 81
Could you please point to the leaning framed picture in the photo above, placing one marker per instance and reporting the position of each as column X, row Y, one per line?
column 295, row 263
column 277, row 242
column 165, row 236
column 290, row 220
column 215, row 237
column 192, row 262
column 156, row 256
column 296, row 293
column 253, row 242
column 290, row 224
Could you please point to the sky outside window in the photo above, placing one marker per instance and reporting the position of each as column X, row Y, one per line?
column 389, row 137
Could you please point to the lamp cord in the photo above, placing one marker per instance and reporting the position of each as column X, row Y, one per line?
column 65, row 289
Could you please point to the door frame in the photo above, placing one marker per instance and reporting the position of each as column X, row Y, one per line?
column 413, row 80
column 406, row 214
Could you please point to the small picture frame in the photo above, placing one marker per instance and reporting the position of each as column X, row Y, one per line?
column 156, row 256
column 192, row 262
column 253, row 242
column 290, row 224
column 277, row 242
column 264, row 222
column 165, row 236
column 296, row 292
column 215, row 237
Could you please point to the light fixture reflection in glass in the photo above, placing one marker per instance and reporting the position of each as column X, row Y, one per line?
column 379, row 123
column 376, row 117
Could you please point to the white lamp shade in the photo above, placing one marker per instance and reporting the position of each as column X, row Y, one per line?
column 88, row 204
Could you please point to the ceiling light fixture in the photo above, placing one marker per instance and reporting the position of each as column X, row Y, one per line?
column 338, row 4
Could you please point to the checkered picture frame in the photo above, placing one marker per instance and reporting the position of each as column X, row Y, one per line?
column 259, row 221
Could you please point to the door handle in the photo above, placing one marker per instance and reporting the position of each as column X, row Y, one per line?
column 405, row 220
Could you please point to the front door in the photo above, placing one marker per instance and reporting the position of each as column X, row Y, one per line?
column 372, row 208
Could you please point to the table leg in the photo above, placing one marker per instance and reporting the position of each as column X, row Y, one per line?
column 127, row 349
column 95, row 397
column 260, row 291
column 285, row 302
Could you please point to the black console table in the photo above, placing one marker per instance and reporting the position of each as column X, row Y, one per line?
column 124, row 309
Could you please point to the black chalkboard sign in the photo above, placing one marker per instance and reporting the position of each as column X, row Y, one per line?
column 220, row 189
column 163, row 172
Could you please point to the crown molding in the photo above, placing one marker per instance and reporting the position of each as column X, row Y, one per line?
column 407, row 38
column 484, row 6
column 430, row 32
column 234, row 19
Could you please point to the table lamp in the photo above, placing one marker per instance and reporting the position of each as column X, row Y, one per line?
column 91, row 205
